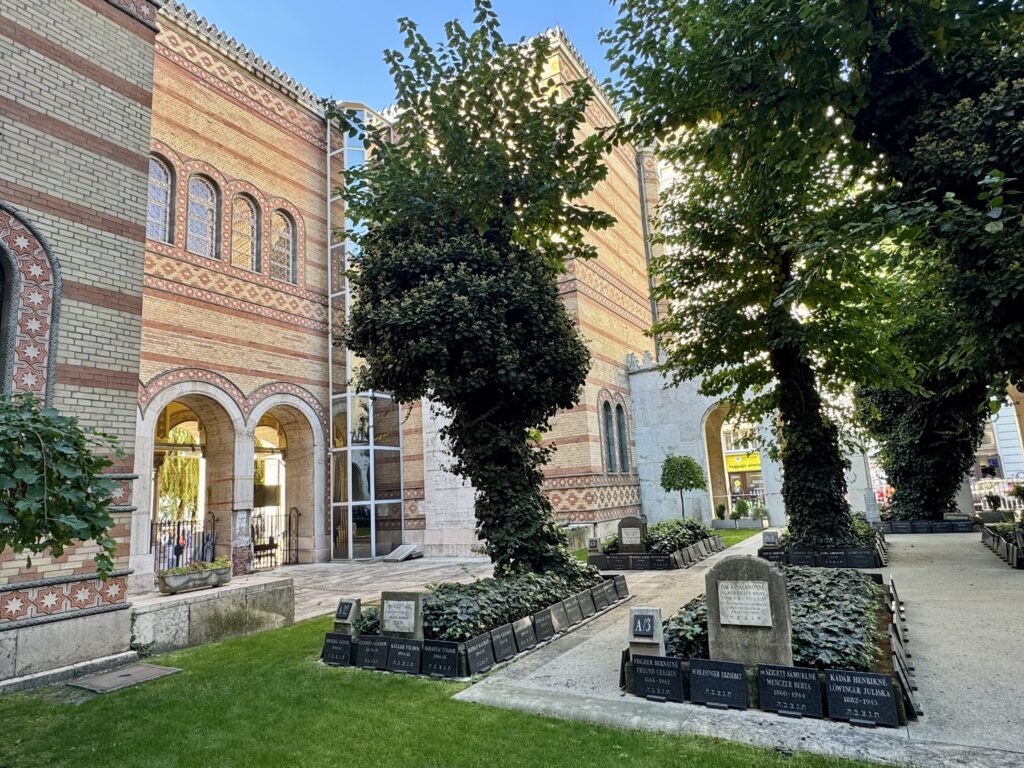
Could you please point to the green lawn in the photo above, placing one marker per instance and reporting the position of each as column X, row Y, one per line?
column 264, row 701
column 732, row 536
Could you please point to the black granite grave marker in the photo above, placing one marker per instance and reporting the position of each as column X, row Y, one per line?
column 504, row 641
column 862, row 698
column 902, row 526
column 659, row 678
column 600, row 597
column 802, row 557
column 559, row 617
column 907, row 689
column 543, row 625
column 372, row 652
column 920, row 526
column 601, row 562
column 608, row 585
column 526, row 638
column 480, row 653
column 860, row 557
column 640, row 562
column 337, row 650
column 404, row 656
column 618, row 562
column 343, row 610
column 440, row 659
column 661, row 562
column 643, row 624
column 942, row 526
column 621, row 588
column 772, row 554
column 573, row 610
column 963, row 526
column 790, row 691
column 719, row 684
column 586, row 601
column 832, row 558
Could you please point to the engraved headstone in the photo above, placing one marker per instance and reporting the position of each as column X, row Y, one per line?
column 480, row 654
column 526, row 637
column 790, row 691
column 860, row 557
column 646, row 633
column 640, row 562
column 440, row 659
column 832, row 558
column 902, row 526
column 719, row 684
column 346, row 616
column 618, row 562
column 920, row 526
column 504, row 641
column 543, row 626
column 593, row 544
column 802, row 557
column 770, row 538
column 372, row 652
column 404, row 656
column 558, row 617
column 748, row 613
column 661, row 562
column 600, row 598
column 861, row 698
column 401, row 614
column 658, row 678
column 586, row 603
column 621, row 588
column 572, row 610
column 631, row 535
column 337, row 650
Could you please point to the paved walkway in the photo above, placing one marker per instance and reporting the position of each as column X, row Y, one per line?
column 964, row 608
column 318, row 587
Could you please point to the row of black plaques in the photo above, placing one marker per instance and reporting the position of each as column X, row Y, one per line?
column 656, row 561
column 858, row 697
column 1012, row 552
column 927, row 526
column 846, row 557
column 438, row 658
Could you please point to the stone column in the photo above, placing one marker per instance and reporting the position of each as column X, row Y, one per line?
column 242, row 497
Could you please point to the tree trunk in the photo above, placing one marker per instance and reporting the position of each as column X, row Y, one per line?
column 682, row 505
column 814, row 481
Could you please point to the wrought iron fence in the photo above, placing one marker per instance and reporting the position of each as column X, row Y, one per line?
column 179, row 542
column 275, row 538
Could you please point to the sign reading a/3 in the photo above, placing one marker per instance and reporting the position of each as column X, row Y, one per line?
column 643, row 625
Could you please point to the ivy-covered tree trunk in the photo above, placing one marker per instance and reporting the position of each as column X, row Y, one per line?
column 814, row 481
column 928, row 443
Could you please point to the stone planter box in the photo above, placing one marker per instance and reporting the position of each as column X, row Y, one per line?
column 172, row 584
column 653, row 561
column 746, row 522
column 723, row 524
column 903, row 527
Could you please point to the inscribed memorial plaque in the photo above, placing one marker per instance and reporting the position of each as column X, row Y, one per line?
column 504, row 641
column 543, row 625
column 661, row 562
column 744, row 603
column 559, row 617
column 480, row 654
column 632, row 536
column 572, row 610
column 860, row 557
column 902, row 526
column 659, row 678
column 621, row 588
column 802, row 557
column 718, row 684
column 399, row 616
column 440, row 659
column 640, row 562
column 526, row 638
column 600, row 598
column 861, row 698
column 832, row 558
column 618, row 562
column 337, row 650
column 586, row 603
column 372, row 652
column 790, row 691
column 404, row 656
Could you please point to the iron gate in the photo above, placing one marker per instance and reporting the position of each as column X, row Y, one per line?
column 275, row 538
column 180, row 542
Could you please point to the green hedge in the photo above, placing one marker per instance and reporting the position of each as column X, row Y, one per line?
column 1006, row 531
column 834, row 613
column 667, row 537
column 463, row 611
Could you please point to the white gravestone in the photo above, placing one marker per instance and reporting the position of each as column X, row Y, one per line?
column 748, row 613
column 744, row 603
column 401, row 614
column 631, row 536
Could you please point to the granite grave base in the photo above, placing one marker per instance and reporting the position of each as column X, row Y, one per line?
column 657, row 561
column 1010, row 552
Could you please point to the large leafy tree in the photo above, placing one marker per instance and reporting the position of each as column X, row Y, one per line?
column 52, row 490
column 765, row 306
column 471, row 208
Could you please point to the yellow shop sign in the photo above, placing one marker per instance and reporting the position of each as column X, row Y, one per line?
column 743, row 462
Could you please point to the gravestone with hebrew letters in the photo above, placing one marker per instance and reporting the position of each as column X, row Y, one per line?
column 631, row 536
column 401, row 614
column 748, row 613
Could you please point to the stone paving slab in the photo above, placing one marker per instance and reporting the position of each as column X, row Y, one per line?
column 319, row 586
column 577, row 676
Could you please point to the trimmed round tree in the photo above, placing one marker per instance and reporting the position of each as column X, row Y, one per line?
column 470, row 208
column 52, row 490
column 682, row 473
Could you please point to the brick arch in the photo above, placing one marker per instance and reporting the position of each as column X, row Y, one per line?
column 30, row 308
column 275, row 203
column 603, row 397
column 162, row 381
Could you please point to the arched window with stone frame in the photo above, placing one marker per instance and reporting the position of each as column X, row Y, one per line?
column 203, row 217
column 622, row 437
column 245, row 233
column 160, row 201
column 282, row 247
column 608, row 430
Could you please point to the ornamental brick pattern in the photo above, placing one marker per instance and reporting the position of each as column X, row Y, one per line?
column 36, row 302
column 56, row 597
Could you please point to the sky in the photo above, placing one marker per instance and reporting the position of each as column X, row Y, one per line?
column 334, row 47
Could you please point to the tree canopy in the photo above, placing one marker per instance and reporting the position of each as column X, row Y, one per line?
column 682, row 473
column 471, row 204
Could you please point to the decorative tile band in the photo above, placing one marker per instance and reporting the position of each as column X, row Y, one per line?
column 62, row 597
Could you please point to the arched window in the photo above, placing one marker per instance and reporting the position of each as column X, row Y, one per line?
column 282, row 247
column 620, row 426
column 202, row 217
column 161, row 201
column 609, row 437
column 245, row 234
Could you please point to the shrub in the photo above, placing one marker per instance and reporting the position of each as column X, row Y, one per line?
column 369, row 621
column 611, row 545
column 196, row 566
column 864, row 530
column 720, row 511
column 1006, row 530
column 833, row 611
column 672, row 535
column 740, row 509
column 463, row 611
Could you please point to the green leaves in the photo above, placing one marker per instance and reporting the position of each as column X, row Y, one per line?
column 52, row 493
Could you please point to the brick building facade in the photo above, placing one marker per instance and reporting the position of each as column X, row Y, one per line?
column 165, row 204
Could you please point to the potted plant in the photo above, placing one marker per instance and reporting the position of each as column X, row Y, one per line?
column 195, row 575
column 720, row 522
